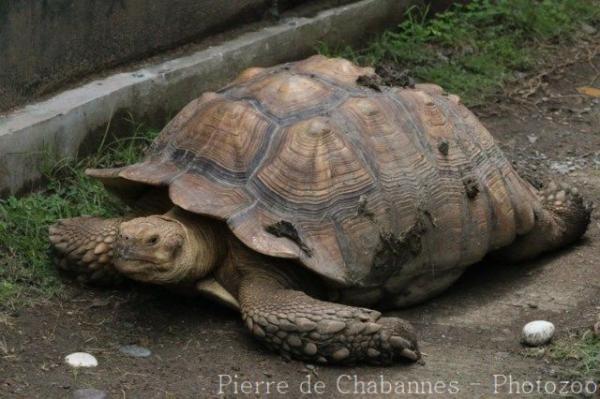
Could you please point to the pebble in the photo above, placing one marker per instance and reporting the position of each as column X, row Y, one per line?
column 89, row 393
column 532, row 138
column 81, row 359
column 538, row 332
column 590, row 30
column 135, row 351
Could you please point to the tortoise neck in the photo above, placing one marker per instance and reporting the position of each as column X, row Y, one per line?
column 243, row 263
column 205, row 247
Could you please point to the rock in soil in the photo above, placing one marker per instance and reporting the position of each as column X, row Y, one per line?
column 135, row 351
column 81, row 359
column 89, row 393
column 538, row 332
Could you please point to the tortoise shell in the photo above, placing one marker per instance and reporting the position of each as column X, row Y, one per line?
column 357, row 183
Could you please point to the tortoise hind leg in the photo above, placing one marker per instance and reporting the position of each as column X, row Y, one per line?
column 562, row 219
column 84, row 246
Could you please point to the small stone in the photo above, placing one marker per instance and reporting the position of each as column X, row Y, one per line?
column 532, row 138
column 81, row 359
column 589, row 29
column 596, row 329
column 538, row 332
column 135, row 351
column 89, row 393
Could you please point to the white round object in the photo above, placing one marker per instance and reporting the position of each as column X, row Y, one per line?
column 135, row 351
column 538, row 332
column 81, row 359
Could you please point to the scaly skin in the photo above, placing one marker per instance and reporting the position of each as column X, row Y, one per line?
column 84, row 246
column 296, row 325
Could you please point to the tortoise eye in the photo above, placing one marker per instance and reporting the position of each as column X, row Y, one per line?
column 152, row 240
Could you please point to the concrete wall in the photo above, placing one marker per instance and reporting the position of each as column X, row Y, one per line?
column 73, row 121
column 47, row 43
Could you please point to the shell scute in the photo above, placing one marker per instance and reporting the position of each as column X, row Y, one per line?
column 286, row 94
column 313, row 168
column 337, row 70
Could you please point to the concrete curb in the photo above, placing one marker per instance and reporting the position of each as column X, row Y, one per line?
column 62, row 124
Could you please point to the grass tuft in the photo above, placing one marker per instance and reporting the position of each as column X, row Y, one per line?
column 25, row 266
column 474, row 49
column 584, row 350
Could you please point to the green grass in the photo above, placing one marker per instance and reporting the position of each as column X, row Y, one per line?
column 473, row 50
column 25, row 266
column 584, row 350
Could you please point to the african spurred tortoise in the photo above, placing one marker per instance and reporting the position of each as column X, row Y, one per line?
column 298, row 195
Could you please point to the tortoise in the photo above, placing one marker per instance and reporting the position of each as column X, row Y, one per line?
column 304, row 198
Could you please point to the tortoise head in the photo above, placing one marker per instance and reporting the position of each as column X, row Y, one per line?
column 163, row 249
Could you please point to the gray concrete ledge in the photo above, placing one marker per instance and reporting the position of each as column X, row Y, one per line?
column 59, row 127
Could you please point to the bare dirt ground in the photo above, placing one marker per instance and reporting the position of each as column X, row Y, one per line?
column 469, row 334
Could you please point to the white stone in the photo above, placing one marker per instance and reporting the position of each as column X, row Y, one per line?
column 135, row 351
column 538, row 332
column 89, row 393
column 81, row 359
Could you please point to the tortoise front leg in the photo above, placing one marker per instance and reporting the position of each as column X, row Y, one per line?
column 296, row 325
column 84, row 246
